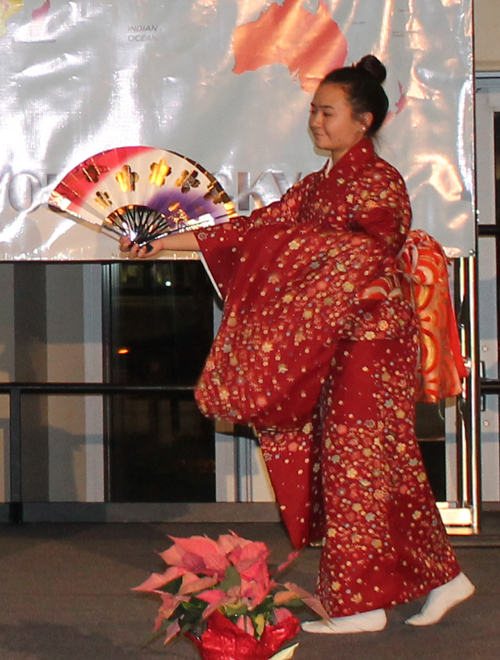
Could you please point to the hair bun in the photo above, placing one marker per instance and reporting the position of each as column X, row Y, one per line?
column 374, row 66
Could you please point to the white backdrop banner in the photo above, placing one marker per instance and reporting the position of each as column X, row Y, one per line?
column 227, row 83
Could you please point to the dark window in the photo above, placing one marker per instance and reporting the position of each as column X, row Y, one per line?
column 160, row 328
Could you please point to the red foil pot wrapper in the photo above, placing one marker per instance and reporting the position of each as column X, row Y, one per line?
column 223, row 640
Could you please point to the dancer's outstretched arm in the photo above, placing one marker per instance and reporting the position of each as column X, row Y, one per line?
column 184, row 242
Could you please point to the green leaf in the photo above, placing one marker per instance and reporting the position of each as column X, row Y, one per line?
column 295, row 602
column 259, row 624
column 193, row 611
column 266, row 607
column 194, row 604
column 237, row 609
column 231, row 579
column 173, row 586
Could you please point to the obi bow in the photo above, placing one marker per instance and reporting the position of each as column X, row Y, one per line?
column 425, row 281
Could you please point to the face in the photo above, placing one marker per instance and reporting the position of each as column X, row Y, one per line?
column 331, row 121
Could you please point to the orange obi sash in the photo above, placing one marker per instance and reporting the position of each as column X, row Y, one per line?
column 425, row 280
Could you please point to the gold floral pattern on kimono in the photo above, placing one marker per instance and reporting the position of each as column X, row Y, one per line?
column 318, row 348
column 293, row 275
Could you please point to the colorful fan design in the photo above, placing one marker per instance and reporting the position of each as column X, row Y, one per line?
column 143, row 193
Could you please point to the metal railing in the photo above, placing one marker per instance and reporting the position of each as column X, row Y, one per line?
column 17, row 390
column 490, row 386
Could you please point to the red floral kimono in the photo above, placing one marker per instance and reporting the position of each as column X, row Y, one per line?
column 318, row 350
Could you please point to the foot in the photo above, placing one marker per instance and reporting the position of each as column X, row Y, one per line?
column 372, row 621
column 442, row 599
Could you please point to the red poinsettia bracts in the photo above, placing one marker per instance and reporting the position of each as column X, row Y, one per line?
column 224, row 588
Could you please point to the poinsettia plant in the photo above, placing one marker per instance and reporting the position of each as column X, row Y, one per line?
column 231, row 577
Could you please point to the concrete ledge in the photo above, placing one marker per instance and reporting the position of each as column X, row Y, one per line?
column 150, row 512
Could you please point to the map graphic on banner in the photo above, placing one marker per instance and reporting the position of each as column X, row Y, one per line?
column 229, row 85
column 309, row 44
column 10, row 7
column 7, row 9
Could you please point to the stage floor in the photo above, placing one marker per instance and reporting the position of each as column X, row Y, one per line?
column 66, row 596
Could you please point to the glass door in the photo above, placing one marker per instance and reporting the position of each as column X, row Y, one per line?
column 160, row 328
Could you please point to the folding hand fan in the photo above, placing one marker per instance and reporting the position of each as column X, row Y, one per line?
column 143, row 193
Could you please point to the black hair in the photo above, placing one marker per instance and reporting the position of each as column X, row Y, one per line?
column 362, row 84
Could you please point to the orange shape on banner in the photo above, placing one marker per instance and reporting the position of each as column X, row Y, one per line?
column 310, row 45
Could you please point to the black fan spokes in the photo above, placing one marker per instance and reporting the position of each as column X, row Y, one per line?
column 140, row 223
column 143, row 224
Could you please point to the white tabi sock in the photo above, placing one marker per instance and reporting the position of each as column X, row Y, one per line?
column 371, row 621
column 442, row 599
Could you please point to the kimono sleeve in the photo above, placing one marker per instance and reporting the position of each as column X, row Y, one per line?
column 221, row 245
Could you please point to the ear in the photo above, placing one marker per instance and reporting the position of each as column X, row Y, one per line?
column 366, row 119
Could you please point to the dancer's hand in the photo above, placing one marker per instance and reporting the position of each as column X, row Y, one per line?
column 134, row 250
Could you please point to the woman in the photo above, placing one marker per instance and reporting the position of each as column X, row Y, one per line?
column 318, row 350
